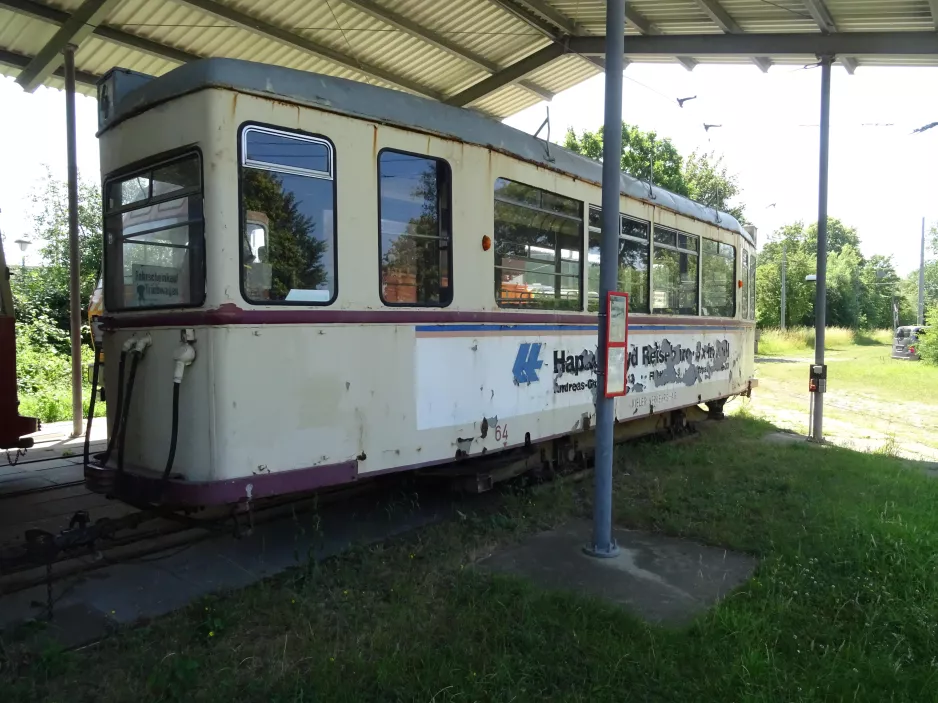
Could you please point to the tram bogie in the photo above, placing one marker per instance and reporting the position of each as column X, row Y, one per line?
column 364, row 282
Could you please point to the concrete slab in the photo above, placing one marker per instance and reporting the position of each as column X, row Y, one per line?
column 661, row 579
column 785, row 438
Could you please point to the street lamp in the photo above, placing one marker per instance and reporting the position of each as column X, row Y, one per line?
column 24, row 245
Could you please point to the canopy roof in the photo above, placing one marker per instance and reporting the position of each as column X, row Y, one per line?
column 497, row 56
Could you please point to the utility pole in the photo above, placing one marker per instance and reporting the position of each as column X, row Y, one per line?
column 74, row 288
column 921, row 280
column 784, row 285
column 603, row 543
column 820, row 293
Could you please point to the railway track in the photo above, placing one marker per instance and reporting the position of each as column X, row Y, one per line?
column 39, row 489
column 149, row 532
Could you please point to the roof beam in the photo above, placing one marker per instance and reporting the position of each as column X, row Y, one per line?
column 825, row 22
column 21, row 61
column 722, row 19
column 30, row 8
column 519, row 9
column 643, row 25
column 508, row 75
column 258, row 26
column 398, row 21
column 544, row 9
column 78, row 27
column 814, row 44
column 821, row 15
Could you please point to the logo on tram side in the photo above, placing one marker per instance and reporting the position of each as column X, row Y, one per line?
column 527, row 363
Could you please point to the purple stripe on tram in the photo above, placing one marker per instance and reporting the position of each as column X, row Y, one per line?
column 230, row 314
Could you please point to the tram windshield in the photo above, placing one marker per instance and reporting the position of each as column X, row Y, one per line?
column 153, row 237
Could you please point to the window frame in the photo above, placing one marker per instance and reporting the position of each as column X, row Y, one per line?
column 752, row 285
column 298, row 135
column 637, row 240
column 583, row 238
column 150, row 164
column 734, row 259
column 678, row 249
column 446, row 222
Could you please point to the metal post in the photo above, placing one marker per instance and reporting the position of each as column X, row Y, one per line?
column 921, row 280
column 820, row 298
column 74, row 290
column 604, row 545
column 784, row 274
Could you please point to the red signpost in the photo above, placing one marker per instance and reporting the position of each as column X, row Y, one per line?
column 617, row 344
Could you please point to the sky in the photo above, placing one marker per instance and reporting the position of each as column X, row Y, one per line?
column 883, row 178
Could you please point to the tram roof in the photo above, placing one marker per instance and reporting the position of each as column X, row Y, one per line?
column 496, row 56
column 397, row 108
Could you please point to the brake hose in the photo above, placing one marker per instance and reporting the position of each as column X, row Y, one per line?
column 183, row 356
column 120, row 408
column 172, row 441
column 125, row 413
column 94, row 392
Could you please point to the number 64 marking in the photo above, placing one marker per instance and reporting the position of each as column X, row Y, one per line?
column 501, row 433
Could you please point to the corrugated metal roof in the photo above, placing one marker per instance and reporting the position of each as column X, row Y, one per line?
column 435, row 48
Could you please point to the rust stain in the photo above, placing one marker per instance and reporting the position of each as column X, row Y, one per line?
column 374, row 142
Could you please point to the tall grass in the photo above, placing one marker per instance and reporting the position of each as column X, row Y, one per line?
column 774, row 341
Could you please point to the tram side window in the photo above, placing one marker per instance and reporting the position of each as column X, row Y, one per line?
column 674, row 276
column 718, row 279
column 288, row 218
column 154, row 237
column 416, row 240
column 744, row 294
column 633, row 260
column 538, row 248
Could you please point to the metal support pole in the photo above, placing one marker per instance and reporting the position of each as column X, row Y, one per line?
column 784, row 285
column 820, row 299
column 921, row 280
column 74, row 289
column 604, row 545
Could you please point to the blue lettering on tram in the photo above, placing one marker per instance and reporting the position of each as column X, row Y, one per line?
column 527, row 363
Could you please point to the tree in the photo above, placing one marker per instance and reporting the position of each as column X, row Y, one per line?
column 860, row 292
column 638, row 147
column 709, row 182
column 838, row 236
column 703, row 177
column 44, row 291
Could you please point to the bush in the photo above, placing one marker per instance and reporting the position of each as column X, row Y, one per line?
column 801, row 339
column 44, row 372
column 927, row 345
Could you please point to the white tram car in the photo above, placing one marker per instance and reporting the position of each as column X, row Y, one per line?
column 331, row 281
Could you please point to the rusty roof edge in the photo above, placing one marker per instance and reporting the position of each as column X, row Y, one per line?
column 400, row 109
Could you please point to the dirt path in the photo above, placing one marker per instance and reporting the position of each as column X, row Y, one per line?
column 862, row 421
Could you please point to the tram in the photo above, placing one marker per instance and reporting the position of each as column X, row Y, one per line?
column 14, row 428
column 310, row 281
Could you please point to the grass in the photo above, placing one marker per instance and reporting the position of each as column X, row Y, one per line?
column 873, row 401
column 842, row 606
column 868, row 369
column 798, row 340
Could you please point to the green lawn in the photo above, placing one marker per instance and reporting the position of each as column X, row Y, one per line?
column 872, row 399
column 843, row 607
